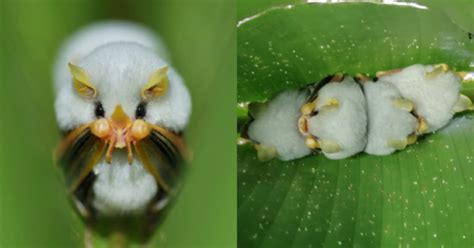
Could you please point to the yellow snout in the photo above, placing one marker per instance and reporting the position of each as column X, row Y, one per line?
column 119, row 131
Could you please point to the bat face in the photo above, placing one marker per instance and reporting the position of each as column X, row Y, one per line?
column 122, row 99
column 125, row 74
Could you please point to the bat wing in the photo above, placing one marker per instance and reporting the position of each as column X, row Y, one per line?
column 77, row 154
column 161, row 153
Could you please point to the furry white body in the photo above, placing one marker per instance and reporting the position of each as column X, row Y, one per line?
column 344, row 124
column 387, row 116
column 122, row 188
column 277, row 126
column 119, row 58
column 434, row 98
column 86, row 39
column 385, row 121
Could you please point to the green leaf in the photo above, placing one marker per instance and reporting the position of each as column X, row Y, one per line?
column 459, row 12
column 419, row 197
column 248, row 8
column 287, row 47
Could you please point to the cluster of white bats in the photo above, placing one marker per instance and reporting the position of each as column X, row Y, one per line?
column 342, row 115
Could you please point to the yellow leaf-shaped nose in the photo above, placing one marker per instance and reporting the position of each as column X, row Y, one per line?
column 120, row 119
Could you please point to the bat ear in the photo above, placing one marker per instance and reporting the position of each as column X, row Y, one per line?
column 156, row 85
column 81, row 82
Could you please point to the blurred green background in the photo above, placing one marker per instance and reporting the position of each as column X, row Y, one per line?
column 34, row 211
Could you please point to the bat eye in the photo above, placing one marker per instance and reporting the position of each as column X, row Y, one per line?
column 99, row 110
column 141, row 111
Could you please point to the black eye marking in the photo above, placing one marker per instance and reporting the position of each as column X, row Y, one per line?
column 140, row 113
column 99, row 110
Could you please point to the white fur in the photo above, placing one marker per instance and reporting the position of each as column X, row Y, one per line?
column 434, row 98
column 121, row 188
column 86, row 39
column 385, row 121
column 277, row 126
column 119, row 70
column 345, row 125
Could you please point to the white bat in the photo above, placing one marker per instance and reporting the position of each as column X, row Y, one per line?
column 122, row 109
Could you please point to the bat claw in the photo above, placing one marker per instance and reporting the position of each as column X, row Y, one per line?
column 463, row 103
column 338, row 77
column 422, row 126
column 411, row 139
column 331, row 104
column 265, row 153
column 403, row 104
column 398, row 144
column 380, row 74
column 303, row 125
column 312, row 143
column 437, row 71
column 329, row 146
column 361, row 78
column 309, row 107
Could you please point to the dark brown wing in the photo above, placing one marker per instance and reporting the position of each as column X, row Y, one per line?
column 162, row 154
column 77, row 154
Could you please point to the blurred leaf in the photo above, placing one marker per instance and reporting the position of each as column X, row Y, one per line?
column 200, row 35
column 419, row 197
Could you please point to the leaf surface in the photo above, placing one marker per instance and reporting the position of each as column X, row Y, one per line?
column 418, row 197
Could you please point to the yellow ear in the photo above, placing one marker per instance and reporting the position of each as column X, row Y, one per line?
column 157, row 84
column 81, row 82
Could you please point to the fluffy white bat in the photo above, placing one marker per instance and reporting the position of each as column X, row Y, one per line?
column 340, row 119
column 122, row 109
